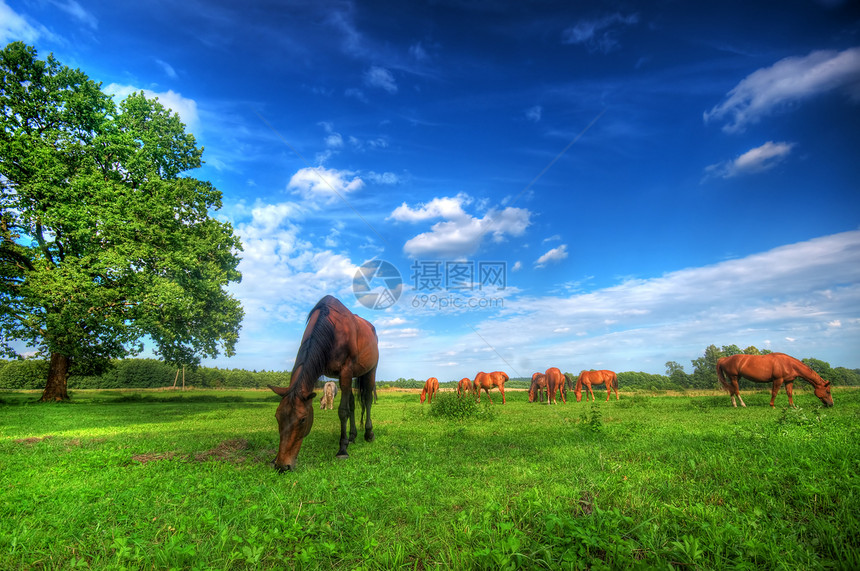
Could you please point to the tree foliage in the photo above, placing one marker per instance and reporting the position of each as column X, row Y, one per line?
column 104, row 238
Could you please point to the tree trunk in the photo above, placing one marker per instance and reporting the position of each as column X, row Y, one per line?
column 58, row 375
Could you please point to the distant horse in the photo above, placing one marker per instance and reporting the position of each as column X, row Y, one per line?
column 555, row 382
column 487, row 381
column 430, row 388
column 464, row 387
column 776, row 368
column 538, row 387
column 329, row 392
column 338, row 344
column 589, row 378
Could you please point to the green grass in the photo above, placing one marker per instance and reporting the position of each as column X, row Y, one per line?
column 143, row 480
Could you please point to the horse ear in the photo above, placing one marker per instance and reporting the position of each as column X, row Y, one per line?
column 280, row 391
column 310, row 397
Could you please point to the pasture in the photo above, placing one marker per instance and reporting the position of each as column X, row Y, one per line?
column 146, row 479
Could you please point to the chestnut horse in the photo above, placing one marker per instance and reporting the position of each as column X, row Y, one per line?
column 338, row 344
column 555, row 382
column 430, row 388
column 464, row 387
column 538, row 387
column 776, row 368
column 487, row 381
column 589, row 378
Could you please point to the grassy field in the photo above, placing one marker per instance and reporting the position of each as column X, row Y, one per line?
column 157, row 480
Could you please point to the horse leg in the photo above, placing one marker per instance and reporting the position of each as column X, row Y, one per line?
column 488, row 395
column 736, row 390
column 502, row 389
column 774, row 391
column 346, row 412
column 368, row 386
column 789, row 390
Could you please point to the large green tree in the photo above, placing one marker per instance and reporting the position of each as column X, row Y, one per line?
column 104, row 238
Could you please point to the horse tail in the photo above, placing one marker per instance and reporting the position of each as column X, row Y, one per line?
column 614, row 381
column 723, row 382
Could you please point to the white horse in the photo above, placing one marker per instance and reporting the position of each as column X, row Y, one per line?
column 329, row 392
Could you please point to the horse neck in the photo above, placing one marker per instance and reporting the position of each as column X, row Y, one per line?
column 303, row 381
column 809, row 375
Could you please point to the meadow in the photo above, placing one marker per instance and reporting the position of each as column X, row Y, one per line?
column 157, row 480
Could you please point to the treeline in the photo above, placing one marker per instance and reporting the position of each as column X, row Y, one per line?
column 151, row 373
column 138, row 374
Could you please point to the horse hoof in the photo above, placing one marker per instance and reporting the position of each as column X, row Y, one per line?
column 369, row 437
column 342, row 456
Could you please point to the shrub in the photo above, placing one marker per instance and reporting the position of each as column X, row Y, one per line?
column 449, row 405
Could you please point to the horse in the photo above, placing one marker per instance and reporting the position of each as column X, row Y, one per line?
column 329, row 392
column 430, row 388
column 538, row 387
column 776, row 368
column 338, row 344
column 555, row 382
column 487, row 381
column 464, row 387
column 589, row 378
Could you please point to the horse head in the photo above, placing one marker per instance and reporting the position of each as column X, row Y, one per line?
column 295, row 416
column 823, row 393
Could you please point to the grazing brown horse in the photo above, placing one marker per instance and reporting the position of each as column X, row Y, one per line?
column 487, row 381
column 538, row 387
column 555, row 382
column 464, row 387
column 589, row 378
column 338, row 344
column 329, row 391
column 776, row 368
column 430, row 388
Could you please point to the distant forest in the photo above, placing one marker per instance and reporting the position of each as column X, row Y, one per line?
column 151, row 373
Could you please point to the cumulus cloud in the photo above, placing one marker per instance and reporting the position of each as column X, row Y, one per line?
column 754, row 161
column 182, row 106
column 459, row 234
column 322, row 184
column 380, row 77
column 788, row 81
column 446, row 207
column 599, row 34
column 553, row 256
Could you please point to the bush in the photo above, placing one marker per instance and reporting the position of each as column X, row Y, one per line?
column 448, row 405
column 25, row 374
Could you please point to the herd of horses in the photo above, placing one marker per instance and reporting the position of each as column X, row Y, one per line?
column 341, row 345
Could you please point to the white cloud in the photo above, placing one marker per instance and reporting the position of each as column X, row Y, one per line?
column 788, row 81
column 75, row 10
column 175, row 102
column 459, row 234
column 599, row 34
column 14, row 27
column 380, row 77
column 754, row 161
column 534, row 113
column 553, row 256
column 795, row 291
column 322, row 184
column 166, row 68
column 446, row 207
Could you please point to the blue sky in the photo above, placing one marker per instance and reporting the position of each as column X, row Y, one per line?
column 647, row 178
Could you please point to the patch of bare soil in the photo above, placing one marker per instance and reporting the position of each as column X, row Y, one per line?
column 32, row 440
column 227, row 451
column 153, row 457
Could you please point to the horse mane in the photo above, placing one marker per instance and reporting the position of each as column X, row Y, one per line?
column 808, row 373
column 311, row 358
